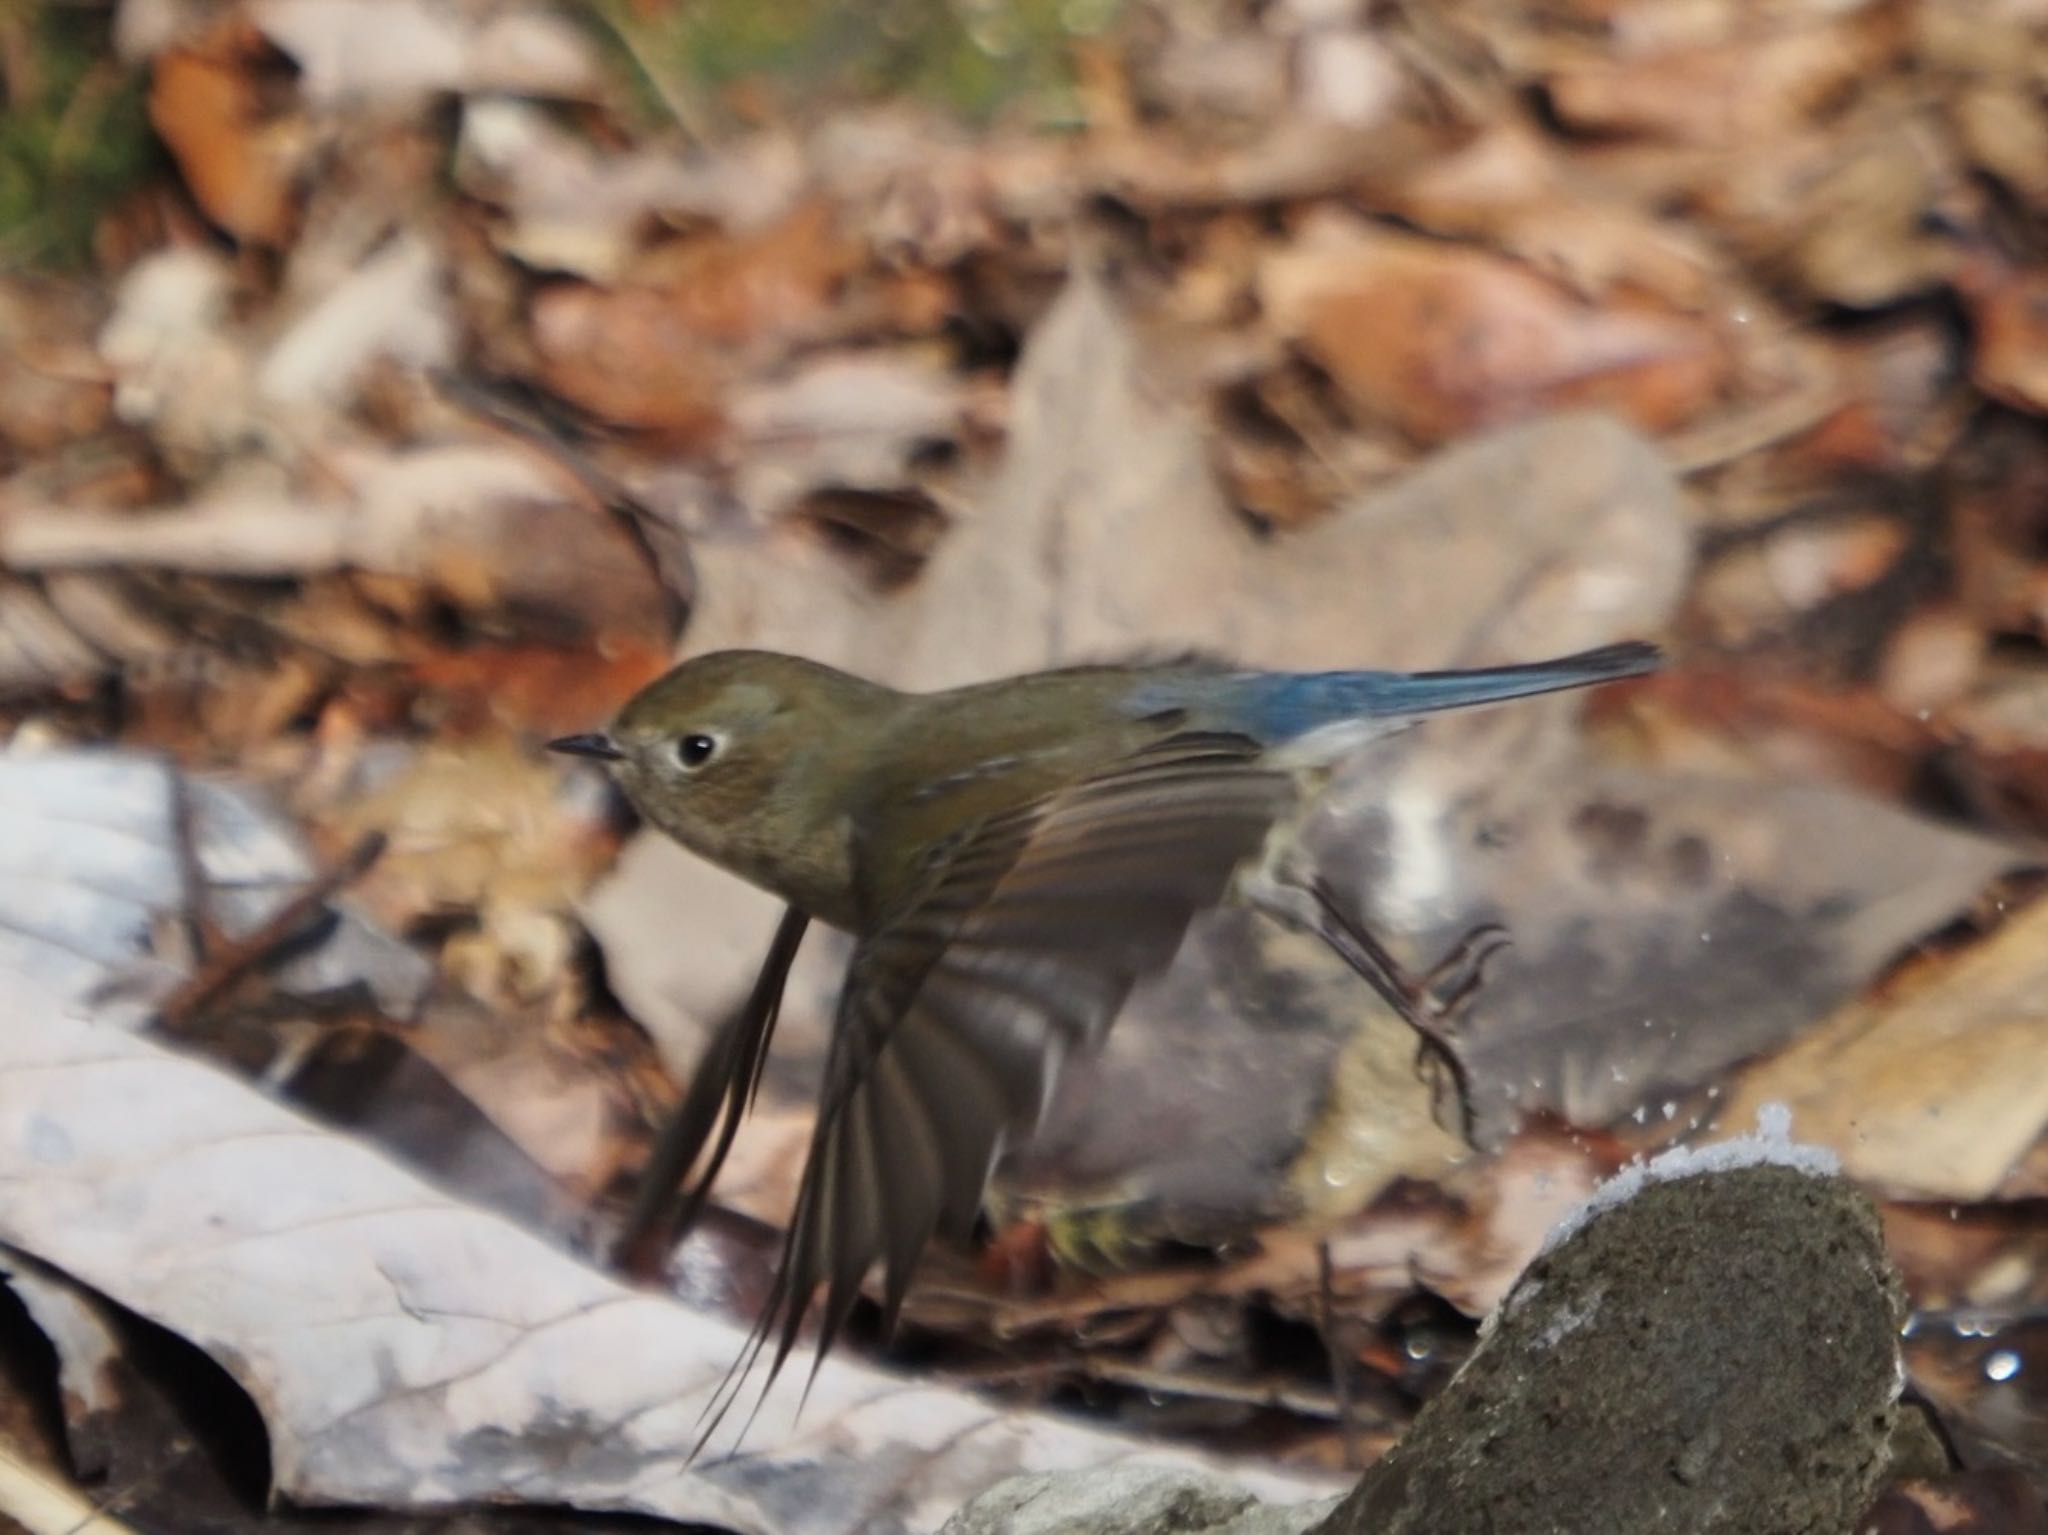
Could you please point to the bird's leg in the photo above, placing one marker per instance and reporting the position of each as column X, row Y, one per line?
column 1451, row 982
column 1424, row 1005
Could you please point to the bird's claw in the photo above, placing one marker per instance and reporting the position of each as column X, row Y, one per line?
column 1456, row 978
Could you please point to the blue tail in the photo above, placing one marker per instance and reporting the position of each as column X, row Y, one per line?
column 1279, row 706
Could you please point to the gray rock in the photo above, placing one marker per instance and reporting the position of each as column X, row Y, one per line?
column 1718, row 1352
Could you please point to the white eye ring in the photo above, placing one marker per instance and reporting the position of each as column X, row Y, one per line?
column 696, row 749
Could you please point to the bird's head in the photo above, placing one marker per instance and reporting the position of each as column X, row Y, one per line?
column 724, row 752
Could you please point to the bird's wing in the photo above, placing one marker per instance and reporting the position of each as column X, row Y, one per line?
column 955, row 1017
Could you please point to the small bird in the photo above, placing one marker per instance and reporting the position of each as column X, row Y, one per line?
column 1011, row 858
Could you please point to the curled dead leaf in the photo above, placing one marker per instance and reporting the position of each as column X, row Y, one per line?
column 1934, row 1089
column 655, row 351
column 238, row 156
column 1441, row 339
column 2008, row 310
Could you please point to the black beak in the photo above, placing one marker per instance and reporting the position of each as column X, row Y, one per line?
column 598, row 745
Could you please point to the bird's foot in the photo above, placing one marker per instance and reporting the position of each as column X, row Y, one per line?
column 1456, row 978
column 1427, row 1004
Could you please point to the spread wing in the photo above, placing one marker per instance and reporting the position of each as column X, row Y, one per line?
column 955, row 1018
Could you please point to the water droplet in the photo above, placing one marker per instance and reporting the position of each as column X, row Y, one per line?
column 2002, row 1365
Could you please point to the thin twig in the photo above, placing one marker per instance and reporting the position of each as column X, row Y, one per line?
column 202, row 925
column 239, row 957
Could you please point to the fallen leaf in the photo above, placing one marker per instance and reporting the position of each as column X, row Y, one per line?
column 2008, row 311
column 654, row 351
column 1440, row 340
column 178, row 369
column 491, row 528
column 399, row 50
column 1938, row 1087
column 545, row 692
column 1742, row 92
column 1988, row 1501
column 622, row 355
column 1470, row 1252
column 39, row 649
column 89, row 1353
column 1663, row 926
column 480, row 828
column 847, row 423
column 576, row 209
column 91, row 867
column 2005, row 131
column 407, row 1351
column 53, row 390
column 1843, row 215
column 391, row 307
column 240, row 160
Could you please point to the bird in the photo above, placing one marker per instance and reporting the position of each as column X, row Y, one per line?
column 1010, row 858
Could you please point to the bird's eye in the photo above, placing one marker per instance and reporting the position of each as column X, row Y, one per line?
column 693, row 751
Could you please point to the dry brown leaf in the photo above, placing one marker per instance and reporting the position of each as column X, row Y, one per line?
column 1470, row 1251
column 2004, row 129
column 1726, row 96
column 1441, row 340
column 1935, row 1089
column 487, row 527
column 575, row 209
column 240, row 162
column 657, row 350
column 546, row 692
column 1845, row 214
column 2009, row 323
column 1757, row 587
column 1510, row 188
column 1933, row 660
column 1995, row 1500
column 483, row 828
column 623, row 355
column 53, row 389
